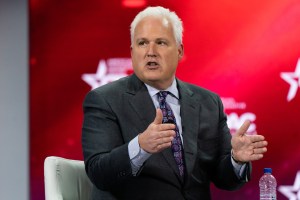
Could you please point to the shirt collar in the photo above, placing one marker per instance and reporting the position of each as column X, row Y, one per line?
column 172, row 89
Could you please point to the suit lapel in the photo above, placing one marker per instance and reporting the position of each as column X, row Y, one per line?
column 190, row 114
column 140, row 101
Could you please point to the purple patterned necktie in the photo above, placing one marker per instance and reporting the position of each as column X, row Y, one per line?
column 168, row 117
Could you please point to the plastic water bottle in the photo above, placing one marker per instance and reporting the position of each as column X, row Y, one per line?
column 267, row 185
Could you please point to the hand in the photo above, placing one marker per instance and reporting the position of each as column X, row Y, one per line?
column 247, row 148
column 157, row 136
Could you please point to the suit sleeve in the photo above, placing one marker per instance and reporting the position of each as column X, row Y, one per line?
column 224, row 176
column 105, row 154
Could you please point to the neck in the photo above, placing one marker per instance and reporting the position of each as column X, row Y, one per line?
column 159, row 85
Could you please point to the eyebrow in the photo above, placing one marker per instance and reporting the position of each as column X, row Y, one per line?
column 143, row 38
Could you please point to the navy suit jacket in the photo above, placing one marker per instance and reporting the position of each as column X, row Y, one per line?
column 116, row 113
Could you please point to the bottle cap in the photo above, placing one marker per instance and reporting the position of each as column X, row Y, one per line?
column 268, row 170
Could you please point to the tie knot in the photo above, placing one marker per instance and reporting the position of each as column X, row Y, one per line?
column 163, row 94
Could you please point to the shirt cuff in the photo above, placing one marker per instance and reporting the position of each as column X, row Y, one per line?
column 137, row 155
column 239, row 168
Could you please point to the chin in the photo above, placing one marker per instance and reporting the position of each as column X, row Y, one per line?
column 152, row 78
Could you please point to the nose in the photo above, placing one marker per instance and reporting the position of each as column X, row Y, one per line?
column 151, row 50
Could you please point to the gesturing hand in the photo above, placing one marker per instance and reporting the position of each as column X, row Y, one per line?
column 247, row 148
column 157, row 136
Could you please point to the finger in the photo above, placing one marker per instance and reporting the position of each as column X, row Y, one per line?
column 163, row 146
column 259, row 150
column 158, row 117
column 256, row 157
column 165, row 127
column 256, row 138
column 243, row 129
column 165, row 140
column 168, row 133
column 260, row 144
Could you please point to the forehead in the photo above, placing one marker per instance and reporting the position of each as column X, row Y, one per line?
column 153, row 27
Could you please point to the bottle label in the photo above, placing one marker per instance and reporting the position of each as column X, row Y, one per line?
column 267, row 197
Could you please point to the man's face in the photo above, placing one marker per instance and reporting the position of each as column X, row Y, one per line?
column 154, row 52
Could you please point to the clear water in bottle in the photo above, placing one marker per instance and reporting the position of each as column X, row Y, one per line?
column 267, row 185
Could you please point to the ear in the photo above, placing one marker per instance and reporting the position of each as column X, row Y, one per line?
column 180, row 51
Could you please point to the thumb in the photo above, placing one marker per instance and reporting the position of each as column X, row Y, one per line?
column 158, row 117
column 243, row 129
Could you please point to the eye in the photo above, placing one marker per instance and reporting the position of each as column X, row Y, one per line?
column 142, row 43
column 162, row 43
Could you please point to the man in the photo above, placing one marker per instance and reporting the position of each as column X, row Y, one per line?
column 152, row 136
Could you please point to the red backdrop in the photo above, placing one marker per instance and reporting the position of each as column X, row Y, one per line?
column 246, row 51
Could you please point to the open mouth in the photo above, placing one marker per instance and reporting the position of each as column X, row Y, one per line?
column 152, row 64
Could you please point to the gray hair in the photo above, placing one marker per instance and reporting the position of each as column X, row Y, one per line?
column 163, row 13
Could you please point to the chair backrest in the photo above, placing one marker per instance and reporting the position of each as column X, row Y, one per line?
column 66, row 179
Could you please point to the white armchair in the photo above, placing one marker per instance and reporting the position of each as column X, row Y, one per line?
column 66, row 179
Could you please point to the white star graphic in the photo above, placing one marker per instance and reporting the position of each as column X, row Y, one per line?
column 291, row 192
column 293, row 78
column 101, row 77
